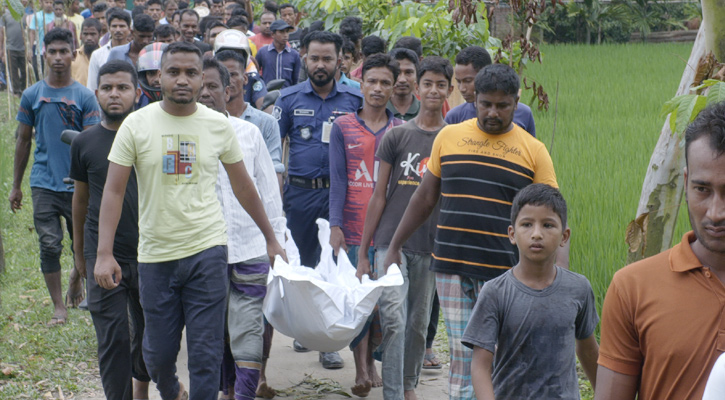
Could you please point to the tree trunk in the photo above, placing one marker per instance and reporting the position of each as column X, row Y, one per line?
column 661, row 196
column 713, row 14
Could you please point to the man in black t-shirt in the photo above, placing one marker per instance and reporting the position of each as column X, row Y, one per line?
column 117, row 314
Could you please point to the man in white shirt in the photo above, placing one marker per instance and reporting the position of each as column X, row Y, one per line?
column 119, row 27
column 248, row 261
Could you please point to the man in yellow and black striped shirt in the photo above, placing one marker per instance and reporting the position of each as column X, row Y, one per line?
column 475, row 169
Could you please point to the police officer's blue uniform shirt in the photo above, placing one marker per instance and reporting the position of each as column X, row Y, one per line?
column 301, row 113
column 254, row 89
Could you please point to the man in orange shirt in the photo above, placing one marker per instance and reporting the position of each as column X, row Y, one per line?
column 662, row 326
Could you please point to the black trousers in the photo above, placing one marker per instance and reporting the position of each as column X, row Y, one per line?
column 118, row 319
column 16, row 67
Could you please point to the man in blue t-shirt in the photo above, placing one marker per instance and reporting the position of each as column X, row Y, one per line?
column 468, row 62
column 50, row 106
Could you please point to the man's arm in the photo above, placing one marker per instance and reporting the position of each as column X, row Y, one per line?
column 481, row 367
column 107, row 271
column 246, row 193
column 615, row 386
column 588, row 351
column 22, row 154
column 376, row 206
column 338, row 188
column 80, row 209
column 419, row 209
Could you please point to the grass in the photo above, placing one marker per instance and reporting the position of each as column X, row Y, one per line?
column 607, row 126
column 35, row 360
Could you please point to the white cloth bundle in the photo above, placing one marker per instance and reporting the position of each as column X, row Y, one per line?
column 323, row 308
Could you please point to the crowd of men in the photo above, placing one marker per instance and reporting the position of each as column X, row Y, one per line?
column 181, row 198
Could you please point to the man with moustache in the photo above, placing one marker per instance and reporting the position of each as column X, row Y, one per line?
column 116, row 313
column 175, row 146
column 90, row 34
column 662, row 321
column 119, row 28
column 305, row 113
column 141, row 36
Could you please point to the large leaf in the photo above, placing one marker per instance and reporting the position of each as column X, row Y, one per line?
column 16, row 9
column 687, row 110
column 716, row 93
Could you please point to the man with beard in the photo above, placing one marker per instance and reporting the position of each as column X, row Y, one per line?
column 475, row 170
column 90, row 33
column 244, row 361
column 155, row 9
column 119, row 28
column 50, row 106
column 117, row 314
column 662, row 316
column 175, row 146
column 305, row 113
column 142, row 34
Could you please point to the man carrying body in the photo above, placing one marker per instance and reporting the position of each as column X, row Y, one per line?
column 404, row 104
column 175, row 147
column 117, row 314
column 278, row 60
column 50, row 106
column 119, row 28
column 305, row 113
column 468, row 62
column 90, row 33
column 403, row 153
column 248, row 262
column 475, row 169
column 142, row 34
column 353, row 170
column 662, row 316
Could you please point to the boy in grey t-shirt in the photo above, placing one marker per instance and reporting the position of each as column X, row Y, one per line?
column 535, row 315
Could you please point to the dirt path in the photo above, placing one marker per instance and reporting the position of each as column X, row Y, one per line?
column 301, row 376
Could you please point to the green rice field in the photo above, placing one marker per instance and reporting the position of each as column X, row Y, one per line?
column 607, row 125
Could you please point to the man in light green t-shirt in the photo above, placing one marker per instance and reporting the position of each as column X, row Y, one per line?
column 175, row 146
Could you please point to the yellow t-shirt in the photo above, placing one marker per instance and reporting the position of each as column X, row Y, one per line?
column 480, row 175
column 77, row 20
column 176, row 161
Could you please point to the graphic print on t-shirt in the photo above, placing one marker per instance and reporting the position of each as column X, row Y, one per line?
column 179, row 159
column 414, row 169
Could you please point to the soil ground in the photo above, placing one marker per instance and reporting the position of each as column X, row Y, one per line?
column 300, row 375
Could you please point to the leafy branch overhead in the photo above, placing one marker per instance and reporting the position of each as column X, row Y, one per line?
column 707, row 88
column 16, row 8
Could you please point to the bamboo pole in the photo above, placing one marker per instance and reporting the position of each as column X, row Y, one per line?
column 9, row 86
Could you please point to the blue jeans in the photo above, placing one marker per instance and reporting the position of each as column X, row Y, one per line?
column 405, row 313
column 191, row 291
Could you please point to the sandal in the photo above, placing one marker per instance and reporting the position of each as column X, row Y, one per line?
column 432, row 362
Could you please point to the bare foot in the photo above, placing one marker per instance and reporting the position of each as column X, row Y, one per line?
column 183, row 395
column 56, row 320
column 410, row 395
column 264, row 391
column 140, row 390
column 362, row 388
column 76, row 292
column 375, row 379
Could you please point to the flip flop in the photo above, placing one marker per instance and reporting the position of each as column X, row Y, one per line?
column 433, row 360
column 55, row 321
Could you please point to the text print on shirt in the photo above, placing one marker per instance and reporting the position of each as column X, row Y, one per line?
column 413, row 168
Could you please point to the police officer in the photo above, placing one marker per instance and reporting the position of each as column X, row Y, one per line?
column 305, row 113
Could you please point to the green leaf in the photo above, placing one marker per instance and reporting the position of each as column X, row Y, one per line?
column 16, row 9
column 706, row 83
column 670, row 106
column 716, row 93
column 687, row 110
